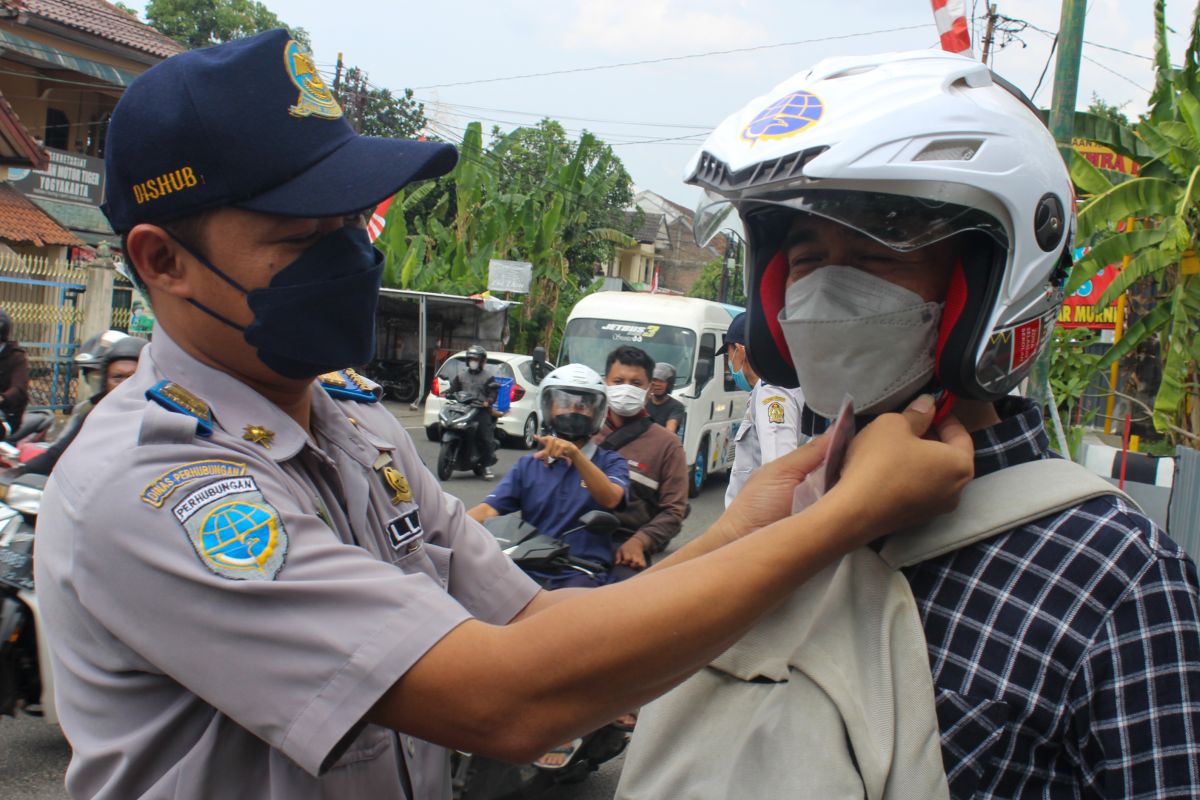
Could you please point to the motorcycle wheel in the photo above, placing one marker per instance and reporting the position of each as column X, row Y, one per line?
column 446, row 458
column 406, row 389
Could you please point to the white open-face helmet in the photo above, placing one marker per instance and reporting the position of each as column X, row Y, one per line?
column 579, row 393
column 909, row 149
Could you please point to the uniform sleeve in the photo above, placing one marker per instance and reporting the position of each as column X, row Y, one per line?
column 1136, row 702
column 296, row 650
column 777, row 435
column 672, row 501
column 506, row 497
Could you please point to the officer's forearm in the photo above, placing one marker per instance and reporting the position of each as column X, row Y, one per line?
column 518, row 690
column 602, row 490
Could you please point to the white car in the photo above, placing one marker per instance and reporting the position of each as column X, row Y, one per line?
column 521, row 423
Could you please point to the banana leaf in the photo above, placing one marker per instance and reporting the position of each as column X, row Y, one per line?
column 1111, row 251
column 1178, row 365
column 1137, row 333
column 1119, row 138
column 1142, row 197
column 1179, row 160
column 1145, row 264
column 1087, row 176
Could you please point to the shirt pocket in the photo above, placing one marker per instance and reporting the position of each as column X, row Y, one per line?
column 369, row 767
column 974, row 732
column 743, row 431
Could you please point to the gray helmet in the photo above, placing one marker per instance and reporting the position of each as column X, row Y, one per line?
column 476, row 352
column 126, row 349
column 666, row 373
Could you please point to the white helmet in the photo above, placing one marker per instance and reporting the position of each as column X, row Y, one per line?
column 907, row 148
column 581, row 391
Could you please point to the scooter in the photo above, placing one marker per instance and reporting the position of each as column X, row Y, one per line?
column 26, row 683
column 459, row 420
column 476, row 777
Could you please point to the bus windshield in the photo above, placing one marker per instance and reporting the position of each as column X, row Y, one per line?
column 589, row 341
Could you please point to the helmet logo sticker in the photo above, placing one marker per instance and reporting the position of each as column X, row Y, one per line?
column 791, row 114
column 315, row 99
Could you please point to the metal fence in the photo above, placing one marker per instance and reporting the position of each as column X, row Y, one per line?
column 1183, row 518
column 43, row 298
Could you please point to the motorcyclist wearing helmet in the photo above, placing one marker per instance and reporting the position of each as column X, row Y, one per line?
column 118, row 362
column 569, row 475
column 909, row 225
column 14, row 375
column 479, row 380
column 662, row 408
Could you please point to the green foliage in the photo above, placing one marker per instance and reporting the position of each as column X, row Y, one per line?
column 529, row 197
column 373, row 111
column 1072, row 368
column 1163, row 203
column 200, row 23
column 708, row 285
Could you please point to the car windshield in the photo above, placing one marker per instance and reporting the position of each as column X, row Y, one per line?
column 589, row 341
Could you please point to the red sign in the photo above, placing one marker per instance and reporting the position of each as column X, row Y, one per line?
column 1080, row 309
column 1026, row 338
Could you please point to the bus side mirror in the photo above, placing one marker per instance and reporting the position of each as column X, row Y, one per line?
column 704, row 371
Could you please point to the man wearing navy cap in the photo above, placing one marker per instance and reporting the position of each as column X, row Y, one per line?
column 770, row 424
column 251, row 585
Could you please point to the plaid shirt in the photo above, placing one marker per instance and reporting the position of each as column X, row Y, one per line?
column 1065, row 653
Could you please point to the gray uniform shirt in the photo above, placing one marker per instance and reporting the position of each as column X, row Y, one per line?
column 770, row 427
column 222, row 614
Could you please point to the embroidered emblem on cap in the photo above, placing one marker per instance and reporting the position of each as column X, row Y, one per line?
column 396, row 481
column 787, row 116
column 235, row 531
column 259, row 435
column 162, row 487
column 315, row 98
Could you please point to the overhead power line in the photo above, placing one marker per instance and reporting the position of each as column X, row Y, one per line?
column 674, row 58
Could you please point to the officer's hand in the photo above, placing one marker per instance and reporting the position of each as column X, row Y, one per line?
column 632, row 554
column 900, row 472
column 553, row 447
column 767, row 496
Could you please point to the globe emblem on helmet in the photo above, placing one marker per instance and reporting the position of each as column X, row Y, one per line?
column 787, row 116
column 239, row 535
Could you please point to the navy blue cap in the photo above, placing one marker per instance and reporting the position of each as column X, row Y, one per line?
column 248, row 124
column 736, row 333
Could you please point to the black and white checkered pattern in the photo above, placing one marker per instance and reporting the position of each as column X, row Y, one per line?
column 1065, row 653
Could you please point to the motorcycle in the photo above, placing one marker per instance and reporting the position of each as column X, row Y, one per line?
column 26, row 683
column 27, row 441
column 398, row 378
column 476, row 777
column 459, row 420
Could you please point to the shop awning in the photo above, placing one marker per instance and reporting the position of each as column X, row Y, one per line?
column 46, row 55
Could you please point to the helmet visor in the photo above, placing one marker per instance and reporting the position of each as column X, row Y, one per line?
column 901, row 222
column 565, row 401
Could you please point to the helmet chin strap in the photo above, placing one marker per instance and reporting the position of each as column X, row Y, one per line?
column 814, row 424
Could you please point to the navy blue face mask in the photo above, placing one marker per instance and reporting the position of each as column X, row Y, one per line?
column 317, row 314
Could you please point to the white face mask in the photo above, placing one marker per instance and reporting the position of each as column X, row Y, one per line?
column 626, row 400
column 850, row 332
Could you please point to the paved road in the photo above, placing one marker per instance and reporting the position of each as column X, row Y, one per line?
column 33, row 756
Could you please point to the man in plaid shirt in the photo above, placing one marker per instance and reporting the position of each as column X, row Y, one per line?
column 909, row 220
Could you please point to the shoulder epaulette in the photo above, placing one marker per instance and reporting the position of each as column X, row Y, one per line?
column 346, row 384
column 174, row 397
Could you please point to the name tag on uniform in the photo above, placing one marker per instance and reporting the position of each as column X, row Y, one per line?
column 405, row 532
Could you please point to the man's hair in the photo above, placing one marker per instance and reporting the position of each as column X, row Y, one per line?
column 188, row 229
column 630, row 357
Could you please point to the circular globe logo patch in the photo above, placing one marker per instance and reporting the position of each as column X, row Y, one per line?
column 787, row 116
column 239, row 535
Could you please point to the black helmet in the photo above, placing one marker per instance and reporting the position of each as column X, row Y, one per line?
column 126, row 349
column 476, row 352
column 6, row 324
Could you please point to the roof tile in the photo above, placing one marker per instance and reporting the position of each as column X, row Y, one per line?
column 104, row 20
column 21, row 221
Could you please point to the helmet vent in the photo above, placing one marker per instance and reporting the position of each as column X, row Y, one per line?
column 950, row 150
column 715, row 173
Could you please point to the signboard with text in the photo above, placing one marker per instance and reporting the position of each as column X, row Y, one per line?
column 509, row 276
column 70, row 176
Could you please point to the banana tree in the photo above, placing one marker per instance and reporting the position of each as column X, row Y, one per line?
column 1163, row 201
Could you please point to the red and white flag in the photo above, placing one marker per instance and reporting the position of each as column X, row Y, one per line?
column 377, row 221
column 654, row 280
column 951, row 19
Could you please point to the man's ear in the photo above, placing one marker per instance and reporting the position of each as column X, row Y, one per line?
column 160, row 261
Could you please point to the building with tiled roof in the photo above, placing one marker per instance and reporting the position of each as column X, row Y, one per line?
column 99, row 19
column 23, row 223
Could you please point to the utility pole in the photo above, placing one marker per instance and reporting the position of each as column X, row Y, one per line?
column 337, row 76
column 989, row 32
column 1062, row 125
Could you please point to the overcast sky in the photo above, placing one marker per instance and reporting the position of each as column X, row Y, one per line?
column 428, row 45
